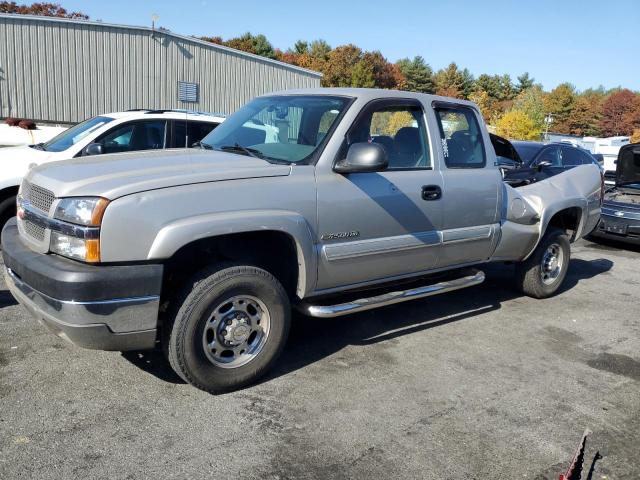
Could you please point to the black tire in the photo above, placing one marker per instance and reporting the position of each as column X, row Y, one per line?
column 7, row 210
column 207, row 291
column 529, row 274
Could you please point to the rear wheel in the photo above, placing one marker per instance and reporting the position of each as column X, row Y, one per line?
column 230, row 328
column 542, row 274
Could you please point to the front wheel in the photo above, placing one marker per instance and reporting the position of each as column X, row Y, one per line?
column 542, row 274
column 7, row 210
column 230, row 328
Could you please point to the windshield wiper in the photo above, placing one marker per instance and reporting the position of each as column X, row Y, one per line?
column 252, row 152
column 38, row 146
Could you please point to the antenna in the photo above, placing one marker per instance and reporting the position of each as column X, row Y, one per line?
column 154, row 18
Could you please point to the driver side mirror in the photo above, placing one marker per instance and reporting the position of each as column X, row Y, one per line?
column 363, row 158
column 542, row 164
column 93, row 149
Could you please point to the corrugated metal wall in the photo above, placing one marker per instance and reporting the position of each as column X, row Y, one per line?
column 66, row 71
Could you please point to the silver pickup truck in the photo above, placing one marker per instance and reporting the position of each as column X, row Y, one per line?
column 331, row 201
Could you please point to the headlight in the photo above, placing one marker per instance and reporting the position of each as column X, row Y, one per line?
column 82, row 211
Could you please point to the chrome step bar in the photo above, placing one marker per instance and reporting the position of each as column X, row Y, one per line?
column 475, row 277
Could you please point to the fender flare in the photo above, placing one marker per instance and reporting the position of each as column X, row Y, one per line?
column 179, row 233
column 548, row 214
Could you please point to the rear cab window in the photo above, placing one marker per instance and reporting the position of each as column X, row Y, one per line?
column 460, row 136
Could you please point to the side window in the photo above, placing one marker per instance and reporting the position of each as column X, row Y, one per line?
column 461, row 137
column 179, row 139
column 400, row 130
column 146, row 135
column 571, row 157
column 118, row 139
column 550, row 155
column 196, row 131
column 587, row 159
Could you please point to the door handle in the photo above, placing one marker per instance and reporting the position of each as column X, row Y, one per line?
column 431, row 192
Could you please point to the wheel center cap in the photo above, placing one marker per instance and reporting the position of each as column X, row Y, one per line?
column 235, row 329
column 240, row 333
column 553, row 263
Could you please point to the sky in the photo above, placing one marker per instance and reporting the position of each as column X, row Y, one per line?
column 587, row 43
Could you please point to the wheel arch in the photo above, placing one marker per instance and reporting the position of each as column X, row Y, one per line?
column 8, row 191
column 261, row 236
column 569, row 216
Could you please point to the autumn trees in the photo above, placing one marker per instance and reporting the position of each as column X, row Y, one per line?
column 44, row 9
column 516, row 108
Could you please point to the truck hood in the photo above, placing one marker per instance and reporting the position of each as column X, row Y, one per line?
column 116, row 175
column 628, row 166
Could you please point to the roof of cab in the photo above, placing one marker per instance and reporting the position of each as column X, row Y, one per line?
column 372, row 94
column 158, row 113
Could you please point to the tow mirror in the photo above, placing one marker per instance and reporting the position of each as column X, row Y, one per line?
column 93, row 149
column 362, row 158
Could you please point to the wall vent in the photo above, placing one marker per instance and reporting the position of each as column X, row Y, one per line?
column 187, row 92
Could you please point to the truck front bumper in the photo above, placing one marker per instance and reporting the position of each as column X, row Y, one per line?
column 93, row 306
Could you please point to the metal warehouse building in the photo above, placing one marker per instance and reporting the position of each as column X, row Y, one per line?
column 60, row 70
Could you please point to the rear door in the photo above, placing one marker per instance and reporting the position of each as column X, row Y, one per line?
column 471, row 189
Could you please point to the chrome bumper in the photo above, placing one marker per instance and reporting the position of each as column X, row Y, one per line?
column 116, row 324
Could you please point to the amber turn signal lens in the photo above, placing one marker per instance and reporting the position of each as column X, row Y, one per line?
column 92, row 250
column 98, row 211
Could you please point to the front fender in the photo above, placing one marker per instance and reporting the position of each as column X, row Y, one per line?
column 179, row 233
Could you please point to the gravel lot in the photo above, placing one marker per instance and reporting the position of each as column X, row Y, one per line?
column 475, row 384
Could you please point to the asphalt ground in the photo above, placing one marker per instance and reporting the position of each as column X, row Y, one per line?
column 477, row 384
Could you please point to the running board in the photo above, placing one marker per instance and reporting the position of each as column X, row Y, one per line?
column 475, row 277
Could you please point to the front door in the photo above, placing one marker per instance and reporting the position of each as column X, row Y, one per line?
column 375, row 226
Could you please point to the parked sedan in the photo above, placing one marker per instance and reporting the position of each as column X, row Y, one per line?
column 541, row 161
column 119, row 132
column 620, row 218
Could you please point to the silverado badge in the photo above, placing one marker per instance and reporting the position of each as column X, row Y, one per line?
column 334, row 236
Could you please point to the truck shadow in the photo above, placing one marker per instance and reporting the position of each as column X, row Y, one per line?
column 313, row 339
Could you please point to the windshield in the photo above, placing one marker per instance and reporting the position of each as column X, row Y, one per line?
column 281, row 129
column 74, row 134
column 527, row 151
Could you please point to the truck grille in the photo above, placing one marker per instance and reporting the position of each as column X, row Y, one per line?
column 39, row 197
column 33, row 230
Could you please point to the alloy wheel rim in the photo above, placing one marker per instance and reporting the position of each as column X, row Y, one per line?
column 236, row 331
